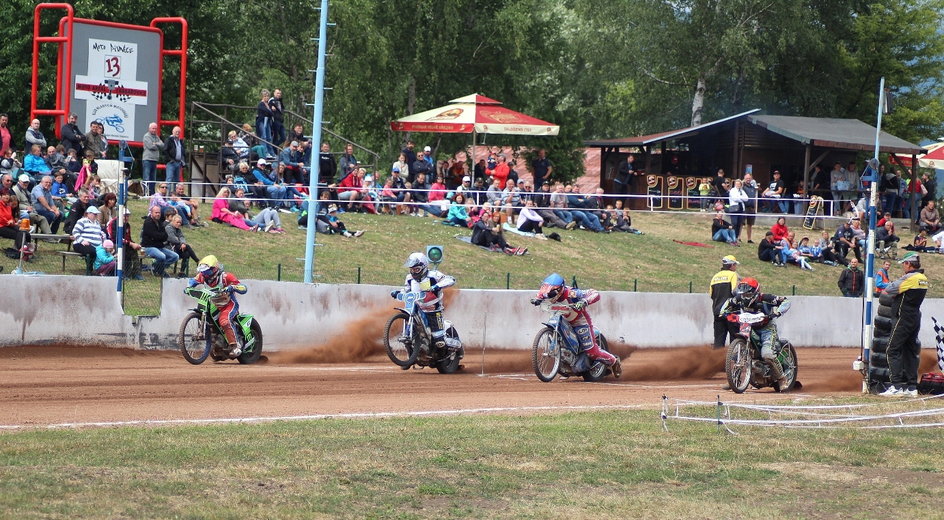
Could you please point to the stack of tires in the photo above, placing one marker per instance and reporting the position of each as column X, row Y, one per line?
column 879, row 379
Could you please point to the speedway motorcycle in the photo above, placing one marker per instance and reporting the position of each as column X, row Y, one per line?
column 743, row 364
column 556, row 349
column 201, row 335
column 409, row 340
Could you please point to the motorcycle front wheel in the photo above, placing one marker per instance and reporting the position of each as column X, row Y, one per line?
column 737, row 365
column 195, row 338
column 545, row 354
column 248, row 358
column 400, row 348
column 790, row 369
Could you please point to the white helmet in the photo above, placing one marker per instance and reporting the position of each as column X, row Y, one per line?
column 418, row 265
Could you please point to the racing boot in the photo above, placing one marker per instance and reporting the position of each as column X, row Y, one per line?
column 235, row 349
column 617, row 368
column 776, row 373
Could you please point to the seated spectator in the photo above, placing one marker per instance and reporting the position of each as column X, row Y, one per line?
column 275, row 192
column 87, row 235
column 132, row 259
column 240, row 146
column 722, row 230
column 266, row 220
column 780, row 229
column 790, row 252
column 229, row 157
column 494, row 193
column 845, row 240
column 852, row 280
column 328, row 214
column 420, row 194
column 530, row 222
column 768, row 249
column 155, row 244
column 922, row 244
column 77, row 210
column 458, row 215
column 177, row 242
column 9, row 165
column 828, row 250
column 60, row 190
column 27, row 210
column 108, row 209
column 9, row 221
column 223, row 215
column 55, row 157
column 886, row 217
column 159, row 198
column 105, row 262
column 542, row 204
column 43, row 203
column 94, row 187
column 930, row 219
column 181, row 198
column 291, row 158
column 399, row 187
column 89, row 167
column 388, row 198
column 351, row 190
column 585, row 219
column 488, row 233
column 558, row 205
column 624, row 222
column 34, row 164
column 811, row 252
column 886, row 242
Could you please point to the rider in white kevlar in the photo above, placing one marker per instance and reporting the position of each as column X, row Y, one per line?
column 432, row 282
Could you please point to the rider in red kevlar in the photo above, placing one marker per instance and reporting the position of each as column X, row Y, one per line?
column 553, row 289
column 211, row 274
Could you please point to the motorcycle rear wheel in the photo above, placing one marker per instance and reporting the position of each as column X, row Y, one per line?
column 737, row 365
column 194, row 343
column 400, row 349
column 595, row 374
column 449, row 366
column 248, row 358
column 790, row 369
column 545, row 354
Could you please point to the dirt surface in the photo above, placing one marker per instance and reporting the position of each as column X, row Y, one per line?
column 60, row 385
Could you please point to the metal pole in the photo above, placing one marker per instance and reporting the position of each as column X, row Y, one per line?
column 358, row 275
column 316, row 141
column 507, row 280
column 120, row 232
column 278, row 273
column 870, row 256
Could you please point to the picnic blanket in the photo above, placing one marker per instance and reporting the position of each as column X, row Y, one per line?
column 468, row 240
column 696, row 244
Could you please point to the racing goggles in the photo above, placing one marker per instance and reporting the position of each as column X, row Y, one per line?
column 550, row 292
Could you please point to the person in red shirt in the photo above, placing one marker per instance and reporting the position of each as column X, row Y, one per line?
column 501, row 170
column 780, row 229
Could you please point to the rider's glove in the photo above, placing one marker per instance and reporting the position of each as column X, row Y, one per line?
column 536, row 301
column 229, row 289
column 394, row 293
column 579, row 305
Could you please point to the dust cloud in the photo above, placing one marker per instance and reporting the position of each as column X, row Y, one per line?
column 676, row 363
column 360, row 339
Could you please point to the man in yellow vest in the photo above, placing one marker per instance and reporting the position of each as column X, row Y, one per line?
column 721, row 287
column 903, row 351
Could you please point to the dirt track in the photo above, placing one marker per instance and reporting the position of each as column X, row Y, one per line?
column 62, row 384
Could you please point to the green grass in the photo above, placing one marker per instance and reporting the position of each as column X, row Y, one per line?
column 648, row 263
column 578, row 465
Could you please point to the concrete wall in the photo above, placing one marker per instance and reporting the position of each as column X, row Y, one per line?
column 85, row 310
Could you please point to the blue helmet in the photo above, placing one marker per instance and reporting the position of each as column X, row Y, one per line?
column 552, row 287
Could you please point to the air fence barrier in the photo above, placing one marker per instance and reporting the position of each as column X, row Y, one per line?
column 86, row 311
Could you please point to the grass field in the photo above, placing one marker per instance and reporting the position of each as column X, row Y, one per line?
column 618, row 464
column 652, row 262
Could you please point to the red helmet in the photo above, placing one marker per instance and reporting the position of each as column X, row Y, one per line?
column 747, row 292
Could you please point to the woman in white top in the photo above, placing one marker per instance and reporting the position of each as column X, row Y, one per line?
column 530, row 222
column 737, row 201
column 401, row 166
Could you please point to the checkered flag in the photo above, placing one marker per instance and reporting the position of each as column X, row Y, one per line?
column 939, row 336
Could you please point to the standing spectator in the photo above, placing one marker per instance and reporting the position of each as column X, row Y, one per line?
column 152, row 144
column 348, row 162
column 87, row 235
column 177, row 241
column 626, row 175
column 776, row 191
column 903, row 351
column 749, row 185
column 839, row 185
column 722, row 230
column 105, row 263
column 720, row 185
column 852, row 280
column 737, row 204
column 154, row 242
column 327, row 166
column 409, row 154
column 6, row 138
column 501, row 171
column 34, row 136
column 264, row 122
column 95, row 140
column 420, row 165
column 176, row 156
column 881, row 278
column 72, row 137
column 720, row 290
column 542, row 168
column 278, row 117
column 820, row 182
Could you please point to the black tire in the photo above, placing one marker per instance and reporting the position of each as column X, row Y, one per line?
column 248, row 358
column 450, row 365
column 886, row 300
column 790, row 369
column 879, row 345
column 545, row 354
column 194, row 343
column 400, row 349
column 595, row 374
column 878, row 359
column 737, row 365
column 885, row 311
column 882, row 323
column 879, row 375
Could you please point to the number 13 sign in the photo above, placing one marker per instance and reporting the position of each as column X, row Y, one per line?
column 113, row 66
